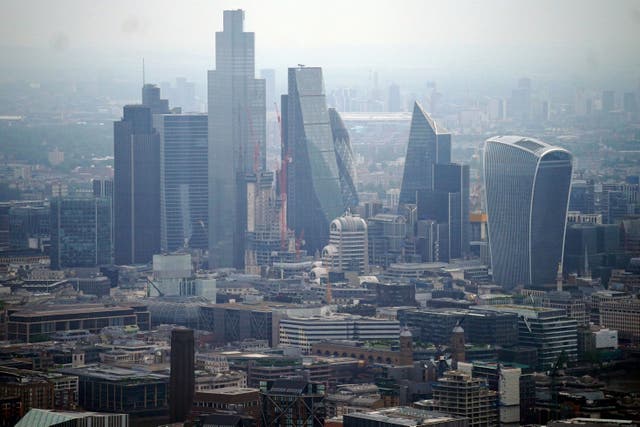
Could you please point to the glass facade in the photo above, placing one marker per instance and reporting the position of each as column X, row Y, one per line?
column 184, row 180
column 344, row 157
column 237, row 139
column 136, row 187
column 80, row 232
column 527, row 191
column 27, row 225
column 313, row 178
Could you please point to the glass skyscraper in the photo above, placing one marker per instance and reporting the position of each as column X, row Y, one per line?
column 344, row 157
column 237, row 139
column 428, row 144
column 136, row 185
column 313, row 177
column 527, row 192
column 80, row 232
column 184, row 180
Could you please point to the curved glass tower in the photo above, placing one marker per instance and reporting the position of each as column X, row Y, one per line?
column 527, row 192
column 313, row 181
column 344, row 157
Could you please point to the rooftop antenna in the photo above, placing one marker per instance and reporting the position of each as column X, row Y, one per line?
column 143, row 79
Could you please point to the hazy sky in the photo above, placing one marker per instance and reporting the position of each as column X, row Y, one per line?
column 589, row 36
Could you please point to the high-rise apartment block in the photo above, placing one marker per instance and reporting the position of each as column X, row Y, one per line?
column 136, row 187
column 527, row 190
column 237, row 141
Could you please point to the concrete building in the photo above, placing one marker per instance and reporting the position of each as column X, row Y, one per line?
column 240, row 400
column 234, row 322
column 348, row 248
column 623, row 316
column 38, row 323
column 459, row 394
column 303, row 332
column 403, row 416
column 182, row 382
column 46, row 417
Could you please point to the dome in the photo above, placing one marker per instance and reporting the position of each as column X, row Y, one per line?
column 458, row 329
column 405, row 332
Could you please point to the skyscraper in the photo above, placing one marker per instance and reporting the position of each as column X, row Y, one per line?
column 344, row 157
column 182, row 380
column 428, row 144
column 184, row 180
column 151, row 98
column 313, row 177
column 237, row 141
column 136, row 186
column 80, row 232
column 527, row 191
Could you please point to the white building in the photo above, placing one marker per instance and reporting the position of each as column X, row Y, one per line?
column 348, row 248
column 303, row 332
column 173, row 276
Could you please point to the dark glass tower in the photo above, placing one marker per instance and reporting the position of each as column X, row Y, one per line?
column 151, row 98
column 80, row 232
column 136, row 187
column 313, row 177
column 428, row 144
column 182, row 380
column 184, row 180
column 237, row 139
column 344, row 157
column 527, row 192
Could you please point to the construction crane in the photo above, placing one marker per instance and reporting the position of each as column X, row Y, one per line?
column 283, row 184
column 560, row 363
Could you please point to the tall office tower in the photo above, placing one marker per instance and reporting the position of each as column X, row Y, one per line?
column 313, row 177
column 269, row 76
column 151, row 99
column 237, row 141
column 80, row 232
column 527, row 191
column 136, row 185
column 630, row 102
column 608, row 101
column 182, row 380
column 394, row 99
column 428, row 145
column 348, row 248
column 102, row 187
column 344, row 157
column 184, row 180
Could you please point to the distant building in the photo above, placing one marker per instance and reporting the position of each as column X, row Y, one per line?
column 547, row 329
column 29, row 226
column 623, row 316
column 47, row 417
column 348, row 245
column 303, row 332
column 527, row 189
column 608, row 101
column 386, row 236
column 394, row 99
column 461, row 395
column 184, row 180
column 345, row 159
column 237, row 141
column 151, row 98
column 182, row 381
column 234, row 322
column 313, row 175
column 136, row 187
column 403, row 416
column 292, row 403
column 80, row 232
column 239, row 400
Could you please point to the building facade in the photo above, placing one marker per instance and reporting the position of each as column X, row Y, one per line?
column 237, row 138
column 136, row 187
column 184, row 180
column 527, row 190
column 313, row 176
column 345, row 159
column 182, row 380
column 348, row 248
column 80, row 232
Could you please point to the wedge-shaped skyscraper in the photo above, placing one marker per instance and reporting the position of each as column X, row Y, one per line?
column 314, row 195
column 527, row 191
column 345, row 159
column 428, row 144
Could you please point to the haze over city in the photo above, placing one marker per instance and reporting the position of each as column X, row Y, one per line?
column 320, row 214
